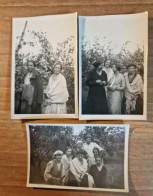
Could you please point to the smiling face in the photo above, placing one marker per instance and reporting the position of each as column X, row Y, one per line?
column 30, row 66
column 132, row 70
column 107, row 63
column 69, row 152
column 57, row 69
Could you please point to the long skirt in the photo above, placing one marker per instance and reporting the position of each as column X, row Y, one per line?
column 56, row 108
column 114, row 100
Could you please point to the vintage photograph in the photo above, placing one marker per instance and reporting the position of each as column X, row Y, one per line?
column 78, row 156
column 113, row 67
column 44, row 67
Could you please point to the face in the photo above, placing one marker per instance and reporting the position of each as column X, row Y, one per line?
column 123, row 70
column 80, row 157
column 132, row 70
column 30, row 66
column 69, row 152
column 114, row 68
column 100, row 67
column 79, row 145
column 107, row 63
column 57, row 69
column 95, row 152
column 88, row 140
column 98, row 161
column 58, row 157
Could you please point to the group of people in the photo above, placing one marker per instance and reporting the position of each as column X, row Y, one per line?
column 114, row 89
column 83, row 167
column 54, row 96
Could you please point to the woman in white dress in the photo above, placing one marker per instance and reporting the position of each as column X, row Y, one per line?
column 56, row 92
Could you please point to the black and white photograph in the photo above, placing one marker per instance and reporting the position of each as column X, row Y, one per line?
column 44, row 67
column 78, row 156
column 113, row 52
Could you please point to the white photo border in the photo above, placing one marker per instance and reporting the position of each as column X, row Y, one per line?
column 126, row 142
column 110, row 116
column 43, row 116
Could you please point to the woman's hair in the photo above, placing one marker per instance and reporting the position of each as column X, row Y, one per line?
column 96, row 64
column 118, row 67
column 95, row 149
column 102, row 160
column 106, row 61
column 131, row 65
column 68, row 149
column 31, row 61
column 58, row 64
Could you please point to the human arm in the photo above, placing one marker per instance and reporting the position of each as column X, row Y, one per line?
column 104, row 81
column 91, row 81
column 122, row 87
column 47, row 175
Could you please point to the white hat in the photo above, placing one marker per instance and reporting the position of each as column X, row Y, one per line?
column 58, row 152
column 78, row 142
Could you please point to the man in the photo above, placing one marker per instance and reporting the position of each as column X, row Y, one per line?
column 133, row 91
column 32, row 94
column 54, row 173
column 88, row 146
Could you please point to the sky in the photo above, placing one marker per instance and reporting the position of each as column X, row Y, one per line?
column 118, row 29
column 57, row 27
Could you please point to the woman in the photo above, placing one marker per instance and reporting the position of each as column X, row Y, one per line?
column 115, row 91
column 133, row 91
column 78, row 172
column 55, row 173
column 99, row 173
column 56, row 92
column 32, row 94
column 92, row 160
column 108, row 70
column 66, row 160
column 96, row 99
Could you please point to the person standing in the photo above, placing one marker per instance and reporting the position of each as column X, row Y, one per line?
column 108, row 70
column 32, row 94
column 115, row 91
column 96, row 99
column 133, row 91
column 56, row 92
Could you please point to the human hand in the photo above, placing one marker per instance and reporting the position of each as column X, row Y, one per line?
column 112, row 88
column 102, row 83
column 98, row 81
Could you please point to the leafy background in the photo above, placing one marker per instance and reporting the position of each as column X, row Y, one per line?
column 110, row 138
column 44, row 59
column 98, row 51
